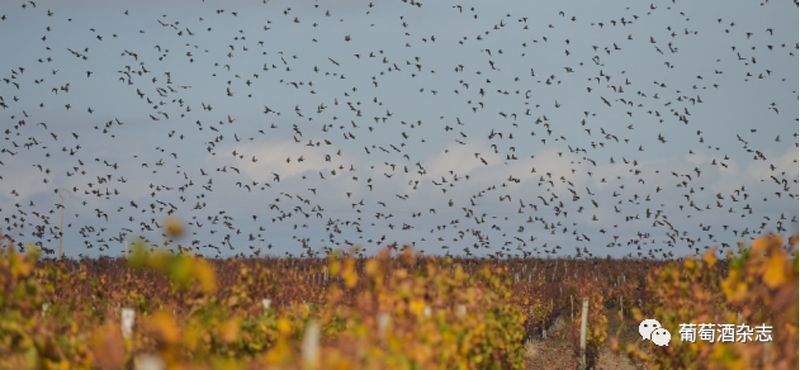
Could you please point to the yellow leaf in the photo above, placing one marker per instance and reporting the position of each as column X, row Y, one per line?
column 710, row 258
column 372, row 267
column 206, row 275
column 775, row 274
column 21, row 268
column 334, row 268
column 417, row 306
column 349, row 274
column 284, row 326
column 181, row 270
column 230, row 331
column 173, row 227
column 459, row 274
column 192, row 337
column 760, row 244
column 350, row 279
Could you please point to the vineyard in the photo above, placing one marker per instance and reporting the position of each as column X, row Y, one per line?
column 397, row 310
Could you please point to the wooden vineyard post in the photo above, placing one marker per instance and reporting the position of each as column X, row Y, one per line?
column 461, row 310
column 128, row 319
column 571, row 310
column 530, row 333
column 61, row 223
column 383, row 323
column 311, row 346
column 544, row 328
column 427, row 311
column 61, row 229
column 620, row 309
column 584, row 314
column 383, row 326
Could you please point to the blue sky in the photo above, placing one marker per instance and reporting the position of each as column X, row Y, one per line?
column 627, row 129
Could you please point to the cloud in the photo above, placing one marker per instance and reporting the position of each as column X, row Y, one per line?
column 260, row 160
column 22, row 183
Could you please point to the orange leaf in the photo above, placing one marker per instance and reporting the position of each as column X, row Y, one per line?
column 163, row 322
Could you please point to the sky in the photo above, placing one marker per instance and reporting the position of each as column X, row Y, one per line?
column 540, row 129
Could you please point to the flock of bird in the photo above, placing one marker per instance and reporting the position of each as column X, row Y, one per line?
column 314, row 129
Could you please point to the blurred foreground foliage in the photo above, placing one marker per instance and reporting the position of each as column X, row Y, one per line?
column 380, row 316
column 760, row 286
column 392, row 311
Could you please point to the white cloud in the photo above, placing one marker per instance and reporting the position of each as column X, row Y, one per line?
column 25, row 182
column 272, row 157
